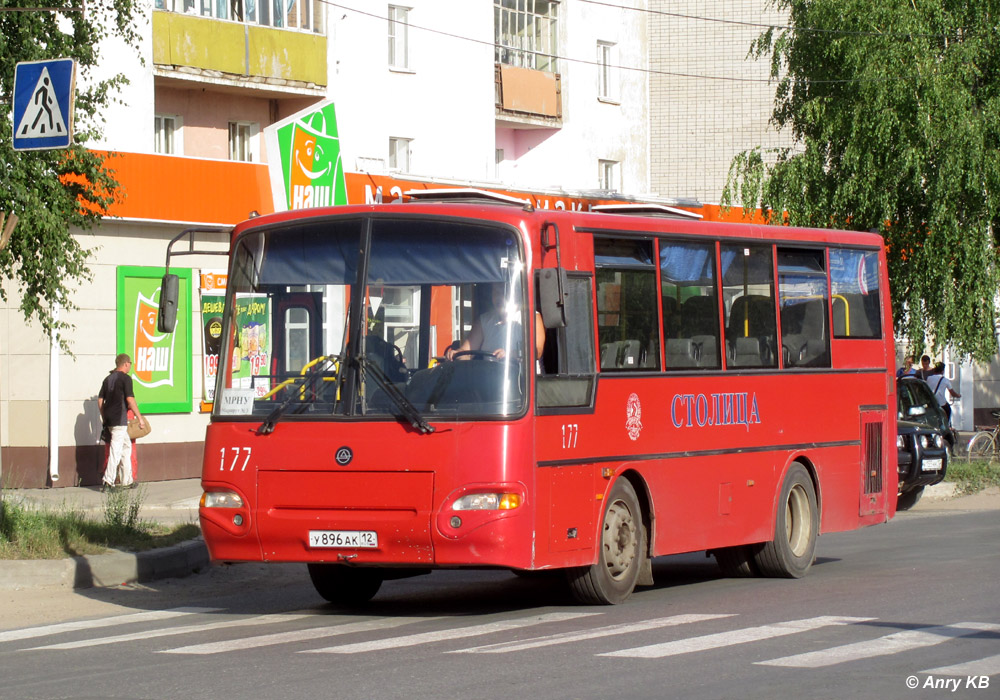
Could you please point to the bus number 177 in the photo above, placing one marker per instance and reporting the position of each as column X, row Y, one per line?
column 570, row 432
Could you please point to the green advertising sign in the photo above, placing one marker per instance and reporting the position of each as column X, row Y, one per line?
column 161, row 362
column 303, row 153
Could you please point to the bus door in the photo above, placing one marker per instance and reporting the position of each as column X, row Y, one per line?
column 298, row 332
column 874, row 451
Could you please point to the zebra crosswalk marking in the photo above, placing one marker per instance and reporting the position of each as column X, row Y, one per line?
column 566, row 637
column 296, row 636
column 443, row 635
column 740, row 636
column 990, row 666
column 883, row 646
column 173, row 631
column 60, row 627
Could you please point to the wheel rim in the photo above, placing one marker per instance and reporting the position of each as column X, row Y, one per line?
column 798, row 520
column 620, row 540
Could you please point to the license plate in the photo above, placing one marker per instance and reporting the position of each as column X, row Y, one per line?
column 931, row 465
column 352, row 539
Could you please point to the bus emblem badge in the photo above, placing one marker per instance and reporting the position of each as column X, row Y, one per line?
column 633, row 415
column 344, row 456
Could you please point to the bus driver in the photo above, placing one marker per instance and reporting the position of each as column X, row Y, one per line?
column 489, row 332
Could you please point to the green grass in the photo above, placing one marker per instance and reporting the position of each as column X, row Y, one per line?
column 973, row 476
column 54, row 533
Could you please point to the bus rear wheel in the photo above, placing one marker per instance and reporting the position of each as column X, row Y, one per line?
column 344, row 584
column 622, row 551
column 791, row 552
column 737, row 562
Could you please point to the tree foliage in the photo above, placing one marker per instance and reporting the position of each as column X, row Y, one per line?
column 53, row 192
column 894, row 113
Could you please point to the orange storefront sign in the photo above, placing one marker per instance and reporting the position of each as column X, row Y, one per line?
column 198, row 190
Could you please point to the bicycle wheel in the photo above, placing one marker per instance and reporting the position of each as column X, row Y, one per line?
column 981, row 446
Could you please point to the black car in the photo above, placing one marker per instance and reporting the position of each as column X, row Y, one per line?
column 922, row 440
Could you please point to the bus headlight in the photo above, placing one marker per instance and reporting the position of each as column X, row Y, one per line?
column 221, row 499
column 488, row 501
column 900, row 441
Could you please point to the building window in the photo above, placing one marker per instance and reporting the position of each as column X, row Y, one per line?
column 498, row 164
column 242, row 141
column 166, row 134
column 290, row 14
column 608, row 174
column 399, row 53
column 399, row 154
column 525, row 33
column 607, row 79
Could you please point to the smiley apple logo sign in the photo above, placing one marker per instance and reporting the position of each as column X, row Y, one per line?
column 304, row 163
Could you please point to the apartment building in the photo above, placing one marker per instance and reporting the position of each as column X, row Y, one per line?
column 545, row 97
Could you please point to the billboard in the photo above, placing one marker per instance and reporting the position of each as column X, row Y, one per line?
column 161, row 362
column 304, row 163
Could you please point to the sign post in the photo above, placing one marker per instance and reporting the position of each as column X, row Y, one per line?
column 43, row 104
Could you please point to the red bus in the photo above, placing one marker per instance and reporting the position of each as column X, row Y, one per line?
column 424, row 385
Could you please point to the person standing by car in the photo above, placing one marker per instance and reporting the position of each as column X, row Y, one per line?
column 907, row 370
column 925, row 370
column 114, row 401
column 941, row 386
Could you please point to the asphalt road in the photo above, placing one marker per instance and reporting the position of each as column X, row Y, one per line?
column 914, row 601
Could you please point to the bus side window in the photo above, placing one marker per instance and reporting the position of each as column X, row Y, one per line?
column 805, row 335
column 627, row 325
column 568, row 377
column 690, row 305
column 854, row 290
column 748, row 289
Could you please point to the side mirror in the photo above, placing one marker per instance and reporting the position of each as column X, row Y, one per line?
column 552, row 296
column 166, row 319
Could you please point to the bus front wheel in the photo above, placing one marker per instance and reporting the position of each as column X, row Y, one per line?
column 622, row 551
column 791, row 552
column 344, row 584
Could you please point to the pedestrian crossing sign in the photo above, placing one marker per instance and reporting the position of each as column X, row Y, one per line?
column 43, row 104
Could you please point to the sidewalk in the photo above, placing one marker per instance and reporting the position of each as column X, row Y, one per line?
column 176, row 502
column 165, row 502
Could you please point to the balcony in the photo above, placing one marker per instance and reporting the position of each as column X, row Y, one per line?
column 527, row 98
column 223, row 53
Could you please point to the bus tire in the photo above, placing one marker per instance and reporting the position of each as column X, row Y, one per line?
column 907, row 499
column 791, row 552
column 344, row 584
column 622, row 549
column 737, row 562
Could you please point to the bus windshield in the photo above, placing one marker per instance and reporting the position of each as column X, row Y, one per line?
column 391, row 318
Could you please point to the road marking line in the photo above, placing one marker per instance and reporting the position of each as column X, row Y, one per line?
column 43, row 630
column 566, row 637
column 443, row 635
column 741, row 636
column 296, row 636
column 883, row 646
column 990, row 666
column 173, row 631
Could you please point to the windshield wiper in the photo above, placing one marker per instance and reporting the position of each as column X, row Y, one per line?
column 315, row 372
column 406, row 407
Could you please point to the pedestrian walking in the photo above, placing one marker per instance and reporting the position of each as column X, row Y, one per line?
column 114, row 401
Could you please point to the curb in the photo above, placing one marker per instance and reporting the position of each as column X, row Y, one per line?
column 941, row 491
column 105, row 570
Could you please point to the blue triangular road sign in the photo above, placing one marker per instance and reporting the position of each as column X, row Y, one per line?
column 43, row 104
